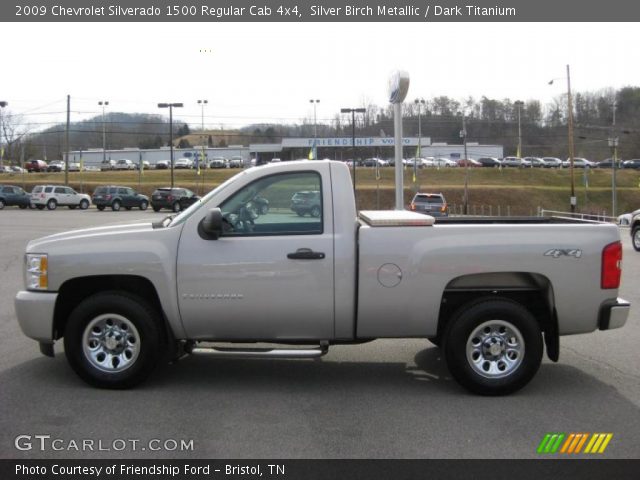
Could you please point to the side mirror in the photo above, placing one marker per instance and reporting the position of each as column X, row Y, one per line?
column 210, row 227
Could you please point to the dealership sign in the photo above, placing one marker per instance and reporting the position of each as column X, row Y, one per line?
column 346, row 142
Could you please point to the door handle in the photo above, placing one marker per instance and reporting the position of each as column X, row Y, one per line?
column 305, row 254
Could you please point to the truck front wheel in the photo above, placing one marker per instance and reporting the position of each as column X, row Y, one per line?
column 493, row 347
column 113, row 340
column 635, row 238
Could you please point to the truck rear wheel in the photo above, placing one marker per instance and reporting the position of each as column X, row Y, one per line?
column 493, row 347
column 113, row 340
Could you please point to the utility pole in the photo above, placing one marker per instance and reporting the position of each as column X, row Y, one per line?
column 519, row 104
column 463, row 134
column 353, row 112
column 613, row 143
column 66, row 141
column 571, row 152
column 104, row 103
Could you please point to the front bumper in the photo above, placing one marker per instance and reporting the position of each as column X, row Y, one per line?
column 35, row 314
column 613, row 314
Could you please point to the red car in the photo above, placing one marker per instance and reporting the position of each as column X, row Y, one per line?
column 36, row 166
column 468, row 162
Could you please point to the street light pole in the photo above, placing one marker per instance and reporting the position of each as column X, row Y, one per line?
column 463, row 134
column 570, row 139
column 202, row 104
column 519, row 105
column 171, row 106
column 104, row 103
column 3, row 104
column 613, row 143
column 315, row 129
column 353, row 112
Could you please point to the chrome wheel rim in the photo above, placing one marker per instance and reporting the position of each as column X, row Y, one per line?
column 495, row 349
column 636, row 239
column 111, row 343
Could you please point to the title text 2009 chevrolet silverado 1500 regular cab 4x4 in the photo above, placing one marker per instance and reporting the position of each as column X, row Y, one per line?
column 489, row 291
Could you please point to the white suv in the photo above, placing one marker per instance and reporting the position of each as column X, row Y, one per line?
column 51, row 196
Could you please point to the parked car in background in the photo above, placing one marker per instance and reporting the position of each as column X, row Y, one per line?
column 534, row 162
column 513, row 162
column 237, row 162
column 74, row 167
column 36, row 166
column 163, row 164
column 306, row 202
column 432, row 204
column 56, row 166
column 117, row 197
column 5, row 169
column 468, row 162
column 183, row 163
column 444, row 162
column 608, row 163
column 552, row 162
column 51, row 196
column 635, row 164
column 634, row 226
column 125, row 164
column 579, row 163
column 107, row 165
column 219, row 162
column 10, row 196
column 17, row 169
column 175, row 199
column 372, row 162
column 489, row 162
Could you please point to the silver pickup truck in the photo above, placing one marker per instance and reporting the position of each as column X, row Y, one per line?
column 491, row 292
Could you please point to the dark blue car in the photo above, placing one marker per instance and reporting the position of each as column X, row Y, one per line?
column 13, row 196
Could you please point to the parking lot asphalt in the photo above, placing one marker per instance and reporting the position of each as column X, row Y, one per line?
column 384, row 399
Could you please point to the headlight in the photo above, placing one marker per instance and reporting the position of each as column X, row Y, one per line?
column 37, row 271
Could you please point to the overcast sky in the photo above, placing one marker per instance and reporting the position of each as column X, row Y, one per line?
column 268, row 72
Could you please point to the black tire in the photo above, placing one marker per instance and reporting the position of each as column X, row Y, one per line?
column 144, row 205
column 100, row 207
column 176, row 207
column 635, row 238
column 115, row 206
column 315, row 211
column 148, row 333
column 84, row 204
column 522, row 334
column 40, row 207
column 264, row 209
column 156, row 209
column 52, row 204
column 2, row 204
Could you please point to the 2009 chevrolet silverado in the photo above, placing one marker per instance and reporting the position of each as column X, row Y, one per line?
column 490, row 292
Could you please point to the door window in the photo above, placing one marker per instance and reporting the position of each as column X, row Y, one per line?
column 273, row 206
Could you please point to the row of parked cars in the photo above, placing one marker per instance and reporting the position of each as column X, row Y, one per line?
column 526, row 162
column 111, row 196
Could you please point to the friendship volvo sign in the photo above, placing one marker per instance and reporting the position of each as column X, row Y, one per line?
column 347, row 141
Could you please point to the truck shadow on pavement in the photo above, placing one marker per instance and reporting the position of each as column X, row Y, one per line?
column 249, row 408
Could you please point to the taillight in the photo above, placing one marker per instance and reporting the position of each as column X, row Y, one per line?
column 611, row 266
column 444, row 208
column 170, row 197
column 413, row 206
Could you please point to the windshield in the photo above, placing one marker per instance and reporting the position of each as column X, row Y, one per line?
column 182, row 216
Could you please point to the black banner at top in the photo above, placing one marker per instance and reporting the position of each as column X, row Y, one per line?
column 319, row 11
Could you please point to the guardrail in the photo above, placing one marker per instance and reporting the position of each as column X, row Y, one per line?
column 594, row 217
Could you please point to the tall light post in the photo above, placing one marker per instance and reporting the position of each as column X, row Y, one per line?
column 202, row 104
column 103, row 104
column 613, row 143
column 419, row 102
column 519, row 104
column 3, row 104
column 315, row 129
column 463, row 135
column 170, row 106
column 570, row 140
column 353, row 112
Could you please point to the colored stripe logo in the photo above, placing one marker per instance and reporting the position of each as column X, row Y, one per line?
column 574, row 443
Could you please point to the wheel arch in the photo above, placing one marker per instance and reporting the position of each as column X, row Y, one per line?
column 73, row 291
column 531, row 290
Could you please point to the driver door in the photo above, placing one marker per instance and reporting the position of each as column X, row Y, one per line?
column 270, row 276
